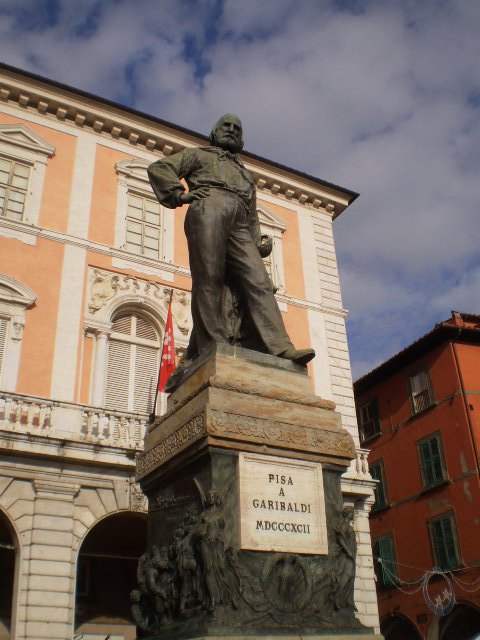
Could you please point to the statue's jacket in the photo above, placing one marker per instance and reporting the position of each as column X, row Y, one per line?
column 211, row 167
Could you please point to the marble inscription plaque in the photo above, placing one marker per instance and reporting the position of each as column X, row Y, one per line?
column 282, row 506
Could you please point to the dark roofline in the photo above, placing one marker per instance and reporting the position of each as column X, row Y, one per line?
column 64, row 87
column 442, row 332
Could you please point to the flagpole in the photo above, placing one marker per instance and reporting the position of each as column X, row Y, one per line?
column 154, row 411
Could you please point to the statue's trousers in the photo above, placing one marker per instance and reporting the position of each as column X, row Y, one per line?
column 219, row 239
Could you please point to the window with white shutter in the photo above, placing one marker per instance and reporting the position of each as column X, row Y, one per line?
column 133, row 360
column 144, row 231
column 421, row 393
column 24, row 156
column 143, row 226
column 13, row 188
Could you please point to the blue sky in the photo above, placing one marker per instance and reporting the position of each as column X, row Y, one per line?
column 382, row 97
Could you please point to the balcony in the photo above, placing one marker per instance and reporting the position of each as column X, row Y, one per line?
column 20, row 414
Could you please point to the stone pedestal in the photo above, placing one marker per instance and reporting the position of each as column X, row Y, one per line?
column 247, row 536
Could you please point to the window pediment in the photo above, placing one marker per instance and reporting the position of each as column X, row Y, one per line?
column 133, row 168
column 268, row 219
column 15, row 292
column 20, row 135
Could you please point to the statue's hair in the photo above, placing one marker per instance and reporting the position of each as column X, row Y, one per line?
column 219, row 123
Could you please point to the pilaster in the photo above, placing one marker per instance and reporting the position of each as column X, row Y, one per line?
column 50, row 593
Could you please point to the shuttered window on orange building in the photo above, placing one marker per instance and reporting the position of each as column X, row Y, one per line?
column 133, row 358
column 444, row 543
column 145, row 227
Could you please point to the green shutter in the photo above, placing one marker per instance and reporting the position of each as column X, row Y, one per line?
column 431, row 461
column 444, row 543
column 379, row 489
column 386, row 554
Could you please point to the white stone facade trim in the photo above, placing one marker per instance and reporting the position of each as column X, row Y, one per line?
column 321, row 372
column 15, row 299
column 68, row 324
column 73, row 273
column 82, row 184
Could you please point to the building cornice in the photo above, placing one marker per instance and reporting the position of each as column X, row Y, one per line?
column 77, row 108
column 441, row 333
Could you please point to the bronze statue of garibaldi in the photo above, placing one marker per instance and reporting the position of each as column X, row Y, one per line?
column 233, row 297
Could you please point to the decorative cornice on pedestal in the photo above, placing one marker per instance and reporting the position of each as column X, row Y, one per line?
column 225, row 401
column 185, row 435
column 138, row 129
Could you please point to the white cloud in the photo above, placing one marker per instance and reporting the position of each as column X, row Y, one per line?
column 384, row 100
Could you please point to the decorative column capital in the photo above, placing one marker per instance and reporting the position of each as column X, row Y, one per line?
column 98, row 329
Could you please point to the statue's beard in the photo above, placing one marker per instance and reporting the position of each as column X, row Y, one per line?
column 227, row 143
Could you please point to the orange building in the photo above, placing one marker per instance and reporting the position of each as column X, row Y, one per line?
column 419, row 414
column 88, row 259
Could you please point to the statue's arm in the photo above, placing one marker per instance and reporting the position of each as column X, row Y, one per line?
column 165, row 176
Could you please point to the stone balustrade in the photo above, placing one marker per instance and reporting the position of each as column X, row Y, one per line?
column 32, row 415
column 25, row 413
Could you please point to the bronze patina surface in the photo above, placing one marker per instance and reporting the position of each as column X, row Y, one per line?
column 232, row 295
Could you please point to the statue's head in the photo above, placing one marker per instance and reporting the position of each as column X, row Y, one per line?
column 227, row 133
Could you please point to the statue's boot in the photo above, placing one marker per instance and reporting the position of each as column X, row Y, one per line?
column 299, row 356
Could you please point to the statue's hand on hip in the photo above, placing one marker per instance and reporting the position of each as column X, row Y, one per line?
column 195, row 194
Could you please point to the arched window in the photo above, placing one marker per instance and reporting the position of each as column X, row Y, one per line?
column 106, row 575
column 7, row 566
column 133, row 358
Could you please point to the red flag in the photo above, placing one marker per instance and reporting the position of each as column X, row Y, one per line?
column 167, row 362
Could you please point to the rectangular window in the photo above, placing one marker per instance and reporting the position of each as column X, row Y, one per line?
column 144, row 226
column 369, row 420
column 13, row 188
column 431, row 461
column 421, row 394
column 385, row 564
column 377, row 472
column 444, row 543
